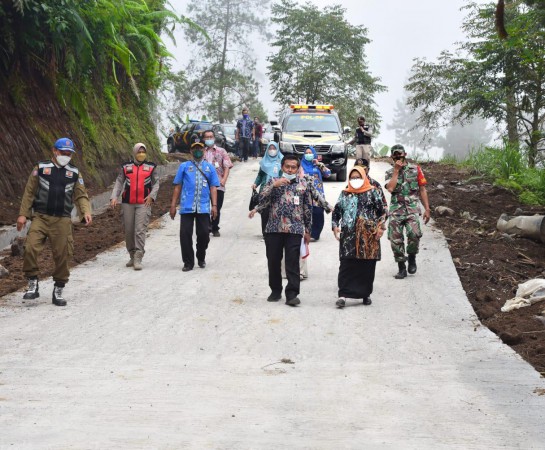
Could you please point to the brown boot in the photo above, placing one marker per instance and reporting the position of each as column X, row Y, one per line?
column 131, row 261
column 138, row 255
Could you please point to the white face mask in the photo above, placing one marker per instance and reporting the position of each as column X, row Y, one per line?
column 289, row 176
column 273, row 153
column 356, row 183
column 63, row 160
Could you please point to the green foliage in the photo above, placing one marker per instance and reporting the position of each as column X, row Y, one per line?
column 449, row 160
column 320, row 57
column 497, row 79
column 507, row 167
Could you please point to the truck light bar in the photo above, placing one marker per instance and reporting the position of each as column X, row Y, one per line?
column 321, row 107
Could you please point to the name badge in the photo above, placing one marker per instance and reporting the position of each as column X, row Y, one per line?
column 296, row 200
column 69, row 174
column 47, row 171
column 145, row 168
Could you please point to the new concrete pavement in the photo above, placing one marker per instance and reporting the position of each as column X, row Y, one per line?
column 165, row 359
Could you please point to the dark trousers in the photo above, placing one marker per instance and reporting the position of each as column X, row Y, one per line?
column 186, row 237
column 245, row 146
column 317, row 222
column 216, row 221
column 277, row 244
column 255, row 147
column 264, row 219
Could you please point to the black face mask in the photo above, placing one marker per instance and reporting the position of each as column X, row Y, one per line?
column 397, row 158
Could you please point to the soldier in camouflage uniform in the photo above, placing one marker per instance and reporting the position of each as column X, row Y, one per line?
column 407, row 184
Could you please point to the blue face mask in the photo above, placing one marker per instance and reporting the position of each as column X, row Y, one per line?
column 309, row 156
column 209, row 142
column 288, row 176
column 246, row 116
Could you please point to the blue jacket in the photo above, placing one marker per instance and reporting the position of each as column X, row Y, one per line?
column 195, row 194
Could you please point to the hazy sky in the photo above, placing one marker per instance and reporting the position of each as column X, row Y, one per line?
column 400, row 30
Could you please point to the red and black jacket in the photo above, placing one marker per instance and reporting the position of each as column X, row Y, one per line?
column 138, row 181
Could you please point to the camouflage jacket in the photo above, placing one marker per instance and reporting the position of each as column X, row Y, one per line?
column 406, row 195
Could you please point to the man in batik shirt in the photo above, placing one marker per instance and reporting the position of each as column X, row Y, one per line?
column 290, row 222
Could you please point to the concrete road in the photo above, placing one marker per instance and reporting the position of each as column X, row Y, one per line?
column 165, row 359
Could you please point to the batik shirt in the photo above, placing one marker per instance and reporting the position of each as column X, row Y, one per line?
column 219, row 158
column 290, row 207
column 195, row 194
column 359, row 216
column 406, row 195
column 245, row 127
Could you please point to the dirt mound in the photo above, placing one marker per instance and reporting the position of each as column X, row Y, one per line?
column 490, row 264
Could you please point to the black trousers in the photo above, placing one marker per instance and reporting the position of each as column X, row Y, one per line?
column 277, row 244
column 245, row 146
column 216, row 221
column 186, row 237
column 264, row 219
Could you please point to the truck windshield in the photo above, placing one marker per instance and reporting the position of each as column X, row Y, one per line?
column 311, row 123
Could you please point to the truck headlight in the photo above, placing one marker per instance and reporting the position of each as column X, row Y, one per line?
column 337, row 148
column 285, row 147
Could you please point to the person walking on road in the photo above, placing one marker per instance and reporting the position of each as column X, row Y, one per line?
column 258, row 134
column 195, row 185
column 269, row 167
column 138, row 185
column 219, row 158
column 52, row 190
column 358, row 222
column 407, row 184
column 365, row 164
column 362, row 139
column 244, row 133
column 290, row 221
column 316, row 170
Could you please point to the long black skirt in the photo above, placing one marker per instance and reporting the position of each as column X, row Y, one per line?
column 356, row 277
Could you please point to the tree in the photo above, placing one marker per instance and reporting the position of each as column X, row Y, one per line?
column 221, row 71
column 459, row 140
column 320, row 57
column 407, row 131
column 498, row 79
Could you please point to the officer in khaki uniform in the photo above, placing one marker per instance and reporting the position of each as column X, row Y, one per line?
column 407, row 184
column 53, row 188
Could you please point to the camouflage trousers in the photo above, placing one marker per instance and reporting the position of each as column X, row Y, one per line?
column 411, row 225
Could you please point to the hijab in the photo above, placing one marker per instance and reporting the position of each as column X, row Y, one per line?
column 268, row 162
column 308, row 166
column 137, row 147
column 366, row 184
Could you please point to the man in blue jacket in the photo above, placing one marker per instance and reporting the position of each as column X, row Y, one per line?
column 195, row 184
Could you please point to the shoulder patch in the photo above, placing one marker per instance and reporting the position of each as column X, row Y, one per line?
column 80, row 181
column 34, row 173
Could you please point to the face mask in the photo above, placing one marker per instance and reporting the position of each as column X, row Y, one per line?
column 289, row 176
column 140, row 157
column 209, row 142
column 197, row 154
column 273, row 153
column 63, row 160
column 356, row 183
column 246, row 116
column 309, row 157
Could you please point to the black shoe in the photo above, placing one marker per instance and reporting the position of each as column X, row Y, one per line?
column 367, row 301
column 187, row 268
column 32, row 291
column 402, row 271
column 216, row 233
column 58, row 299
column 341, row 302
column 274, row 297
column 412, row 264
column 202, row 264
column 293, row 301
